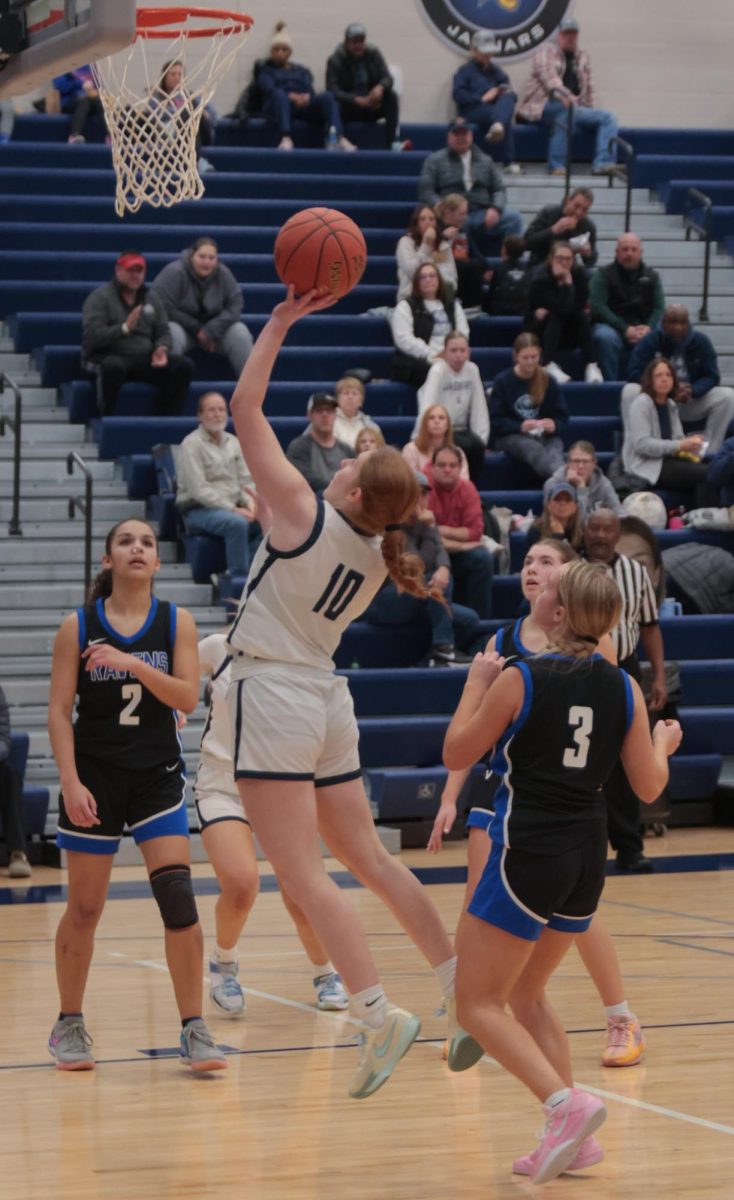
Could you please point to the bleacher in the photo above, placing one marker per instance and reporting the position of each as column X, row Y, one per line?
column 58, row 239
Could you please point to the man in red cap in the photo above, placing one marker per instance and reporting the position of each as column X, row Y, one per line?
column 126, row 337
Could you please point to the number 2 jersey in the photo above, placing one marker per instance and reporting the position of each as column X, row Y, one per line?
column 118, row 720
column 297, row 603
column 554, row 760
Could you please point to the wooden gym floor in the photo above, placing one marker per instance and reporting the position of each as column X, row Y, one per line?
column 278, row 1124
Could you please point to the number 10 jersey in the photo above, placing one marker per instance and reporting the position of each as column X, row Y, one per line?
column 118, row 720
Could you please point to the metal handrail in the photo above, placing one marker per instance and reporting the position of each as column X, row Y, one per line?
column 706, row 203
column 16, row 424
column 624, row 171
column 73, row 459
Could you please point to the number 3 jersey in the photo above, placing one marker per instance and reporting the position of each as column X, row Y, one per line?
column 297, row 603
column 554, row 760
column 118, row 719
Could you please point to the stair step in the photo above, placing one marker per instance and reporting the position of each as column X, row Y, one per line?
column 38, row 468
column 70, row 571
column 63, row 595
column 46, row 550
column 54, row 510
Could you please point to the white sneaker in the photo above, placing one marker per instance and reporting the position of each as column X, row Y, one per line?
column 345, row 144
column 555, row 371
column 286, row 143
column 592, row 374
column 495, row 133
column 331, row 995
column 514, row 169
column 382, row 1050
column 225, row 992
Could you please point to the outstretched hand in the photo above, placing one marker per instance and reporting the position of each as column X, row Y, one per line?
column 294, row 307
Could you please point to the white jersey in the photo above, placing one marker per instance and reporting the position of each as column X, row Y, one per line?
column 216, row 740
column 297, row 603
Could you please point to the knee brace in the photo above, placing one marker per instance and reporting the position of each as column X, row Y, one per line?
column 174, row 896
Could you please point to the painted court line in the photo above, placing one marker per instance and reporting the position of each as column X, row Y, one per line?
column 673, row 1113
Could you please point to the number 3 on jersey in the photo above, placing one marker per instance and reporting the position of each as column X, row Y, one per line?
column 339, row 591
column 133, row 693
column 581, row 720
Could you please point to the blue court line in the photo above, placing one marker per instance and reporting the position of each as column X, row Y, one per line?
column 667, row 912
column 135, row 889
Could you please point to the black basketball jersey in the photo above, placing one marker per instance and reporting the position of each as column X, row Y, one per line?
column 507, row 640
column 556, row 757
column 118, row 719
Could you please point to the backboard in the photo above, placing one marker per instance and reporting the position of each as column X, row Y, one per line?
column 43, row 38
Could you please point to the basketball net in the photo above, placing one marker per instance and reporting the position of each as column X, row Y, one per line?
column 154, row 133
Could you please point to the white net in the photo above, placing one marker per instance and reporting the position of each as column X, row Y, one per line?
column 153, row 111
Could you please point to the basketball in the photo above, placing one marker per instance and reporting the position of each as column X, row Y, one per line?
column 320, row 248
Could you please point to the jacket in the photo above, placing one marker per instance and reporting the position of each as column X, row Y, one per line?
column 211, row 474
column 471, row 82
column 704, row 573
column 211, row 304
column 644, row 449
column 696, row 350
column 561, row 299
column 294, row 77
column 546, row 76
column 442, row 174
column 621, row 298
column 103, row 315
column 538, row 237
column 721, row 471
column 510, row 406
column 598, row 493
column 341, row 69
column 459, row 507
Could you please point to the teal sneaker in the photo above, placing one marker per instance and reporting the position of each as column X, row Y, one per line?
column 381, row 1051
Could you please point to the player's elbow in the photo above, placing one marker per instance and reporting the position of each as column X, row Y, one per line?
column 454, row 756
column 649, row 788
column 189, row 699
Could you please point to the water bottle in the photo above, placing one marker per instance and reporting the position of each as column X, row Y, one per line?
column 332, row 141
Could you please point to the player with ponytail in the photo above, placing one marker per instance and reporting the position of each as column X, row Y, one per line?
column 296, row 738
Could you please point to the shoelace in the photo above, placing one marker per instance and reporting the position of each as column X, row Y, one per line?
column 618, row 1032
column 203, row 1036
column 230, row 986
column 75, row 1034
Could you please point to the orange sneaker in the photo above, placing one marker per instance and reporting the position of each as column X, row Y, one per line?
column 625, row 1042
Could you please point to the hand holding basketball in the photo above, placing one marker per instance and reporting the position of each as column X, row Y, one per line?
column 320, row 249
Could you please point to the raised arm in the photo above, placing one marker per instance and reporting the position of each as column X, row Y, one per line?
column 287, row 493
column 645, row 758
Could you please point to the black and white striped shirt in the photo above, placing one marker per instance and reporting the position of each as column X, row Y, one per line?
column 639, row 606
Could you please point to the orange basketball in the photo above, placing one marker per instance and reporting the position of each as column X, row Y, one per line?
column 320, row 248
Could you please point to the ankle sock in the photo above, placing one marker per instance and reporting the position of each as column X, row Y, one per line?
column 557, row 1098
column 66, row 1016
column 618, row 1010
column 370, row 1005
column 321, row 969
column 445, row 973
column 225, row 956
column 187, row 1021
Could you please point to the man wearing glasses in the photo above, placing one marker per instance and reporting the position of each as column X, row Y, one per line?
column 593, row 489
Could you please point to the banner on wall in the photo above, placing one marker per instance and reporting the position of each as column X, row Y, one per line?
column 519, row 26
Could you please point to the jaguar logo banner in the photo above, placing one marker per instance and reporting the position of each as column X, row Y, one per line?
column 519, row 26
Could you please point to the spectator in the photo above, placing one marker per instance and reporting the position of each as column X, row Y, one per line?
column 420, row 325
column 471, row 269
column 453, row 626
column 655, row 446
column 639, row 621
column 358, row 78
column 350, row 420
column 457, row 513
column 508, row 289
column 434, row 431
column 424, row 244
column 126, row 338
column 288, row 92
column 593, row 489
column 203, row 302
column 627, row 300
column 561, row 77
column 560, row 518
column 699, row 396
column 214, row 493
column 721, row 472
column 558, row 296
column 454, row 383
column 172, row 95
column 369, row 438
column 77, row 96
column 527, row 411
column 463, row 169
column 11, row 801
column 569, row 222
column 316, row 453
column 483, row 95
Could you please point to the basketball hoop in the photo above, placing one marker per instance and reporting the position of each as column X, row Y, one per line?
column 153, row 129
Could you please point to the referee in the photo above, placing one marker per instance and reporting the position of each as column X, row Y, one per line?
column 639, row 621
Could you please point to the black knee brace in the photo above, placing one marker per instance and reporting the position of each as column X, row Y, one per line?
column 175, row 896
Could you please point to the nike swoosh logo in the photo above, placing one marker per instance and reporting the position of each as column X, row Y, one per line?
column 173, row 768
column 369, row 1003
column 97, row 642
column 558, row 1131
column 382, row 1050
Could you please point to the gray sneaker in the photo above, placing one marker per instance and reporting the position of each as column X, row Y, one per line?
column 199, row 1050
column 69, row 1044
column 225, row 992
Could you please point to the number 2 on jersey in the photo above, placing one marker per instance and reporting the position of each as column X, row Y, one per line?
column 133, row 693
column 581, row 720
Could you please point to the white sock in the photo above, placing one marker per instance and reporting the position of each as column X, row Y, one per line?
column 320, row 969
column 445, row 973
column 618, row 1010
column 225, row 956
column 557, row 1098
column 370, row 1005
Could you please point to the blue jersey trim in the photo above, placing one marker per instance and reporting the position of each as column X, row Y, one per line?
column 313, row 536
column 81, row 618
column 173, row 616
column 86, row 843
column 522, row 716
column 498, row 639
column 630, row 700
column 222, row 666
column 518, row 640
column 127, row 641
column 346, row 777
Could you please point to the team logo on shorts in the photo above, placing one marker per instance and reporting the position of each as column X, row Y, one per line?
column 519, row 26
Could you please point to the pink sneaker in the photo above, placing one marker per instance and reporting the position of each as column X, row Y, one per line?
column 566, row 1127
column 589, row 1152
